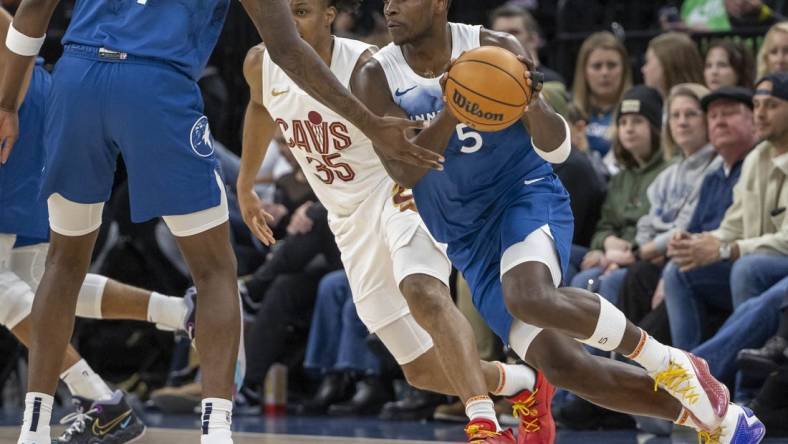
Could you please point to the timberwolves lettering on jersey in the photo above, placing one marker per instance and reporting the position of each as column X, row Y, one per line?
column 338, row 159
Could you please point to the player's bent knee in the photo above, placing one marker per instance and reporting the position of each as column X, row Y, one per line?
column 405, row 339
column 527, row 300
column 421, row 372
column 16, row 300
column 201, row 221
column 73, row 219
column 426, row 296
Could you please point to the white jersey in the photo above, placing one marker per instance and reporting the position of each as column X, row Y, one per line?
column 415, row 94
column 337, row 157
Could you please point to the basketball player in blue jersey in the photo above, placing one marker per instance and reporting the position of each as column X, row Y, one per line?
column 126, row 84
column 506, row 219
column 23, row 248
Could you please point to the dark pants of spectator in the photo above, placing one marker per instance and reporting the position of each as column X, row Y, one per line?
column 635, row 299
column 750, row 325
column 690, row 295
column 281, row 327
column 337, row 337
column 295, row 252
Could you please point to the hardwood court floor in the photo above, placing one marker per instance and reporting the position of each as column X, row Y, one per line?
column 170, row 436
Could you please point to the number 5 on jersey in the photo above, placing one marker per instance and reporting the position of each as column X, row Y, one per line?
column 464, row 133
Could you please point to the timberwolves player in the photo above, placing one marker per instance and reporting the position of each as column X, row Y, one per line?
column 126, row 84
column 508, row 226
column 398, row 274
column 23, row 248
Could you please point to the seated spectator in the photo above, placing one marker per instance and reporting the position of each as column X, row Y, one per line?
column 673, row 197
column 283, row 292
column 578, row 124
column 773, row 353
column 518, row 22
column 773, row 56
column 729, row 63
column 750, row 246
column 602, row 74
column 637, row 149
column 671, row 59
column 585, row 184
column 337, row 351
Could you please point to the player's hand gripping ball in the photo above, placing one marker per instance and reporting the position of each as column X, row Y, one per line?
column 489, row 88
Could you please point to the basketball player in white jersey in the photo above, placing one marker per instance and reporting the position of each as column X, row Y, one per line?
column 398, row 273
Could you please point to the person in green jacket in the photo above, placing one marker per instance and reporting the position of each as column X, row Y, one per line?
column 638, row 152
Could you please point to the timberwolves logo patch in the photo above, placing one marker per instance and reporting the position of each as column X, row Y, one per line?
column 201, row 140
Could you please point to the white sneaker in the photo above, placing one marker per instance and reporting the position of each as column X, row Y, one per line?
column 740, row 426
column 688, row 379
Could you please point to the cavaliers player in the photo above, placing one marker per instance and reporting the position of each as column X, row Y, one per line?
column 398, row 274
column 127, row 84
column 507, row 222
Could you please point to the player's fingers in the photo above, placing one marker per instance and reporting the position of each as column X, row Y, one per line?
column 5, row 149
column 407, row 124
column 427, row 158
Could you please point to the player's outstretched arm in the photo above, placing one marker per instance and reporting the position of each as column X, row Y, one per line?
column 546, row 127
column 23, row 39
column 302, row 64
column 369, row 84
column 258, row 131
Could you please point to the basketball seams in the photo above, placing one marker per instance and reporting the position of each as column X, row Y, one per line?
column 484, row 62
column 513, row 105
column 482, row 125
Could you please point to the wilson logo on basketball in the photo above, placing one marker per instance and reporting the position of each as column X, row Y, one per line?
column 473, row 108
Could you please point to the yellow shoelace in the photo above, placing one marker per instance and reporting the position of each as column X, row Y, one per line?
column 710, row 437
column 525, row 409
column 478, row 434
column 676, row 380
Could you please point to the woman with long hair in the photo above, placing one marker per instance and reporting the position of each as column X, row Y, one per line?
column 672, row 58
column 602, row 74
column 773, row 56
column 729, row 63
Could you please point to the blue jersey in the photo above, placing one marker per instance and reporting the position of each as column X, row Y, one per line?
column 493, row 193
column 21, row 211
column 180, row 32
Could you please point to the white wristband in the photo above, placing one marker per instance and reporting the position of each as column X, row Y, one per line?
column 21, row 44
column 560, row 154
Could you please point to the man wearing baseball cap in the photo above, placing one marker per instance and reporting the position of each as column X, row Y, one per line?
column 752, row 240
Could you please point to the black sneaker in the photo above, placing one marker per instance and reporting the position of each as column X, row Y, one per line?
column 759, row 362
column 105, row 422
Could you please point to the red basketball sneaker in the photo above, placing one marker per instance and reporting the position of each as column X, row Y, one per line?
column 482, row 430
column 534, row 411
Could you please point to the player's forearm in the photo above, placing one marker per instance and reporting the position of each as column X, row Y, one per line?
column 257, row 135
column 32, row 19
column 301, row 63
column 545, row 126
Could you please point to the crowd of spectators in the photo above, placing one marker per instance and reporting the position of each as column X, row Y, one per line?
column 678, row 185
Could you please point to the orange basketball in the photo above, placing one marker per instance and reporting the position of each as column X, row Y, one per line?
column 486, row 89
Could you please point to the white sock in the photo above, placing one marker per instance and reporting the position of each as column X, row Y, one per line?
column 166, row 312
column 82, row 381
column 38, row 413
column 482, row 407
column 217, row 415
column 514, row 379
column 650, row 353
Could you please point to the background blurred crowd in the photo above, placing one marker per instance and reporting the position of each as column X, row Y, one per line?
column 677, row 178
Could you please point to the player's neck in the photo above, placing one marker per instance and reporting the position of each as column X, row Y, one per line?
column 429, row 55
column 325, row 49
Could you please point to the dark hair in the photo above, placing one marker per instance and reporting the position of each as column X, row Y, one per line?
column 624, row 157
column 345, row 5
column 740, row 58
column 514, row 11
